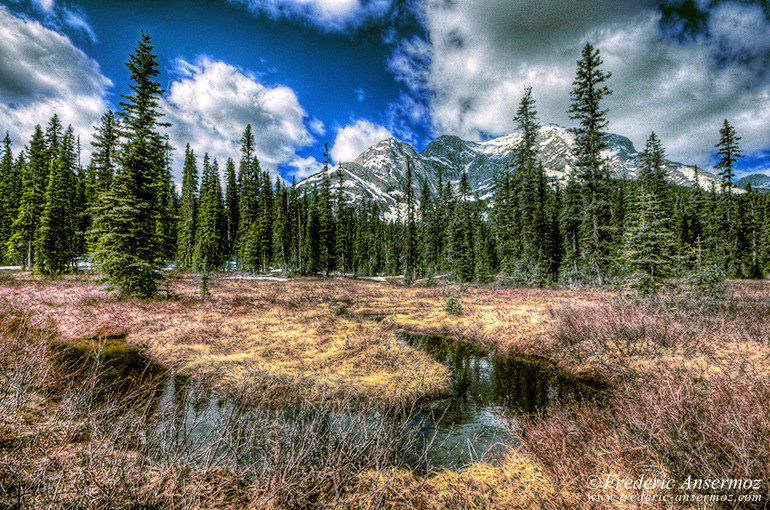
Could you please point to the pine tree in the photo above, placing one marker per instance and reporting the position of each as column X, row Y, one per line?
column 187, row 212
column 326, row 218
column 461, row 235
column 264, row 223
column 596, row 231
column 231, row 209
column 54, row 242
column 123, row 237
column 570, row 220
column 728, row 155
column 21, row 245
column 208, row 242
column 248, row 198
column 53, row 134
column 9, row 187
column 105, row 157
column 650, row 242
column 342, row 220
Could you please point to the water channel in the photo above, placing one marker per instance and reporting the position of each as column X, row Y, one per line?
column 473, row 423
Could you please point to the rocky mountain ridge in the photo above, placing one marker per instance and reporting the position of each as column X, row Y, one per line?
column 379, row 172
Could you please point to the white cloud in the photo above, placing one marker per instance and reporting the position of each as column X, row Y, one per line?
column 327, row 15
column 305, row 167
column 42, row 73
column 482, row 54
column 351, row 140
column 211, row 103
column 47, row 5
column 360, row 95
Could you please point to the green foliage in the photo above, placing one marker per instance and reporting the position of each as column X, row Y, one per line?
column 188, row 205
column 452, row 304
column 210, row 221
column 708, row 280
column 596, row 232
column 728, row 154
column 21, row 245
column 126, row 247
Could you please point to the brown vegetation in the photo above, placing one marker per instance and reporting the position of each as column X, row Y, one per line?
column 687, row 393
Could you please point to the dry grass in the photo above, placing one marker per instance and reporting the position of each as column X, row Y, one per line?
column 688, row 392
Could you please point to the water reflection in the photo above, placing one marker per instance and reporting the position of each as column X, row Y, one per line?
column 489, row 392
column 476, row 422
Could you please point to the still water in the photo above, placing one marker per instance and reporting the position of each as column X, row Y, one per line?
column 473, row 423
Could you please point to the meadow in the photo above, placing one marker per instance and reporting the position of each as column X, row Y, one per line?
column 684, row 378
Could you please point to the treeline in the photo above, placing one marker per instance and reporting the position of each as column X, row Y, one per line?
column 122, row 212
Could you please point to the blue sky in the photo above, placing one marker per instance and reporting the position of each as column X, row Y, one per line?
column 352, row 72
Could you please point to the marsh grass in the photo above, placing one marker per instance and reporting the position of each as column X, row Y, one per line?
column 685, row 377
column 689, row 393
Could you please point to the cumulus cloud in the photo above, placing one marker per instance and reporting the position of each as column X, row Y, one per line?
column 42, row 73
column 211, row 103
column 305, row 167
column 327, row 15
column 351, row 140
column 480, row 55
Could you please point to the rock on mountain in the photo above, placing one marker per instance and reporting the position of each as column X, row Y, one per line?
column 758, row 182
column 379, row 172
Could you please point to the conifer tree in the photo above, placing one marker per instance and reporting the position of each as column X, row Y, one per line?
column 326, row 218
column 596, row 230
column 106, row 143
column 9, row 189
column 54, row 243
column 342, row 238
column 281, row 228
column 248, row 197
column 410, row 233
column 570, row 220
column 264, row 223
column 461, row 235
column 35, row 181
column 231, row 208
column 53, row 134
column 187, row 212
column 123, row 237
column 650, row 242
column 728, row 154
column 208, row 242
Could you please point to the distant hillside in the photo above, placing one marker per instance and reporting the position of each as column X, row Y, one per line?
column 379, row 172
column 759, row 182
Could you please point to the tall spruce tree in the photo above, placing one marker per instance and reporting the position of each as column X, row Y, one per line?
column 105, row 156
column 650, row 242
column 231, row 208
column 248, row 198
column 188, row 213
column 54, row 242
column 596, row 231
column 731, row 232
column 21, row 245
column 125, row 246
column 208, row 241
column 410, row 226
column 728, row 154
column 9, row 189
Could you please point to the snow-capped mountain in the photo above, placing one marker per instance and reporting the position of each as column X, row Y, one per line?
column 379, row 172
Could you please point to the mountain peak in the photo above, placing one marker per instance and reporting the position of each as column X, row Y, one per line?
column 378, row 173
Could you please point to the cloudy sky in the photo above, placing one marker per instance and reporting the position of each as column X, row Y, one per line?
column 353, row 72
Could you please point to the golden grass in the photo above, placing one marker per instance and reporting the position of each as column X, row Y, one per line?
column 515, row 483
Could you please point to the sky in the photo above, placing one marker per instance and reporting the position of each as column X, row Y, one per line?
column 349, row 73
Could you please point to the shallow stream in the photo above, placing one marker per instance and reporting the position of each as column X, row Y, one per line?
column 474, row 423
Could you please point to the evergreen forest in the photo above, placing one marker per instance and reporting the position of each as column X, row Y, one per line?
column 122, row 212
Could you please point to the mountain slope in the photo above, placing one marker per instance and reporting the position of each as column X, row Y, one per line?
column 379, row 172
